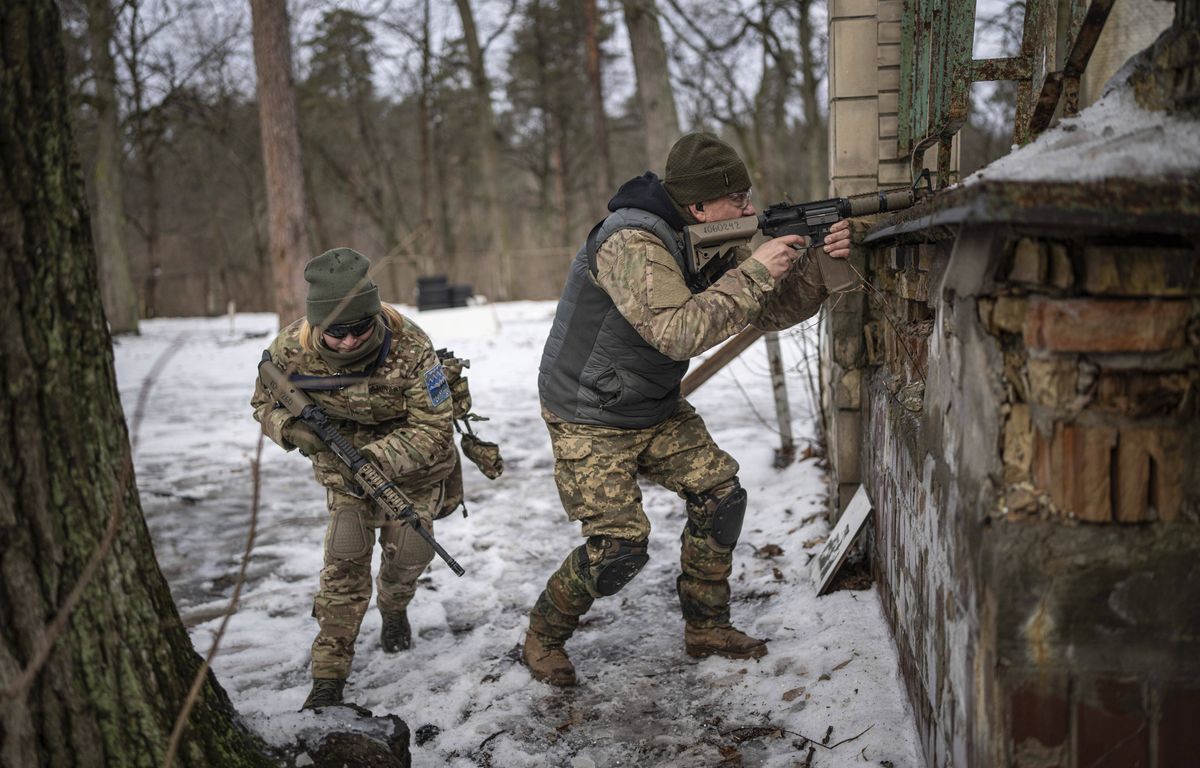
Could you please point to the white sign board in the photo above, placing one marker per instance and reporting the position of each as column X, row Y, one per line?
column 830, row 558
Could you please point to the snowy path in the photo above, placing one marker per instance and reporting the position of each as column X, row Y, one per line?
column 641, row 700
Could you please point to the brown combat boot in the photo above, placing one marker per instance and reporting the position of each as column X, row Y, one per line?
column 326, row 692
column 396, row 634
column 722, row 641
column 550, row 665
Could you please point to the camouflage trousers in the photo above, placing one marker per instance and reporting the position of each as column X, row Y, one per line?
column 345, row 587
column 596, row 470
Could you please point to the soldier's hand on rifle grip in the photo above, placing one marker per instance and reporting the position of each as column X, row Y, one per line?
column 298, row 434
column 778, row 254
column 837, row 242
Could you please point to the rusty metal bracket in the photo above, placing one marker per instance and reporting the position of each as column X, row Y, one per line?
column 937, row 69
column 1084, row 42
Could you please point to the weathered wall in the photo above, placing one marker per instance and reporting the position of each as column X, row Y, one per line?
column 864, row 91
column 1030, row 401
column 1018, row 387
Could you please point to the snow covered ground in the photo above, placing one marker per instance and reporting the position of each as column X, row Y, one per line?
column 641, row 701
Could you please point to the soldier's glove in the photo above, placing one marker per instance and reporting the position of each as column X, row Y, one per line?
column 483, row 454
column 298, row 434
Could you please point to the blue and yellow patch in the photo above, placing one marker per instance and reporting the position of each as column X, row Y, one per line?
column 436, row 385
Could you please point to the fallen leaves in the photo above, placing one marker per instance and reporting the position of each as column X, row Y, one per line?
column 768, row 550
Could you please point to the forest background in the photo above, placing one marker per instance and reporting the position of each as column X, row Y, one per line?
column 479, row 139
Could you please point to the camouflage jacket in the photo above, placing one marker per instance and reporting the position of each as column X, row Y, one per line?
column 639, row 274
column 402, row 414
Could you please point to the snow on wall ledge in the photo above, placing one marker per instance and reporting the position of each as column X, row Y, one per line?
column 1113, row 138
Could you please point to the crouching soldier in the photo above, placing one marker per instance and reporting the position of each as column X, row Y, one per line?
column 376, row 376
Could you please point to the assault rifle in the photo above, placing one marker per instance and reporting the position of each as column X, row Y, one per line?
column 716, row 239
column 384, row 491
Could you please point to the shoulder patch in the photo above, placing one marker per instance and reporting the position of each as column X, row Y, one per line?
column 436, row 385
column 665, row 287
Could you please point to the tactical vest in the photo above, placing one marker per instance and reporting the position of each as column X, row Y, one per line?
column 596, row 368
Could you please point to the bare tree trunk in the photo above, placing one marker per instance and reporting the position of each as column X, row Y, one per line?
column 449, row 189
column 116, row 278
column 766, row 123
column 150, row 178
column 431, row 256
column 286, row 207
column 595, row 81
column 816, row 139
column 653, row 84
column 146, row 140
column 115, row 678
column 489, row 153
column 558, row 164
column 553, row 132
column 317, row 236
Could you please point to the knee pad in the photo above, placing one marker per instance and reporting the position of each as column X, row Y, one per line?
column 725, row 514
column 411, row 548
column 349, row 536
column 609, row 564
column 727, row 520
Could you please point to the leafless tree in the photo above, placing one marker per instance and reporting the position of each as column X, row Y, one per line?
column 655, row 97
column 287, row 209
column 490, row 150
column 101, row 685
column 116, row 280
column 777, row 147
column 596, row 92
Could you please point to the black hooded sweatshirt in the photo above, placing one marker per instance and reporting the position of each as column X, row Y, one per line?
column 596, row 368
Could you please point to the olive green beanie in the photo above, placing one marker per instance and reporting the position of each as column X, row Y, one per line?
column 701, row 167
column 339, row 289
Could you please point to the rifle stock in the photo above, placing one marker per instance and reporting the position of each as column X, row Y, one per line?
column 387, row 495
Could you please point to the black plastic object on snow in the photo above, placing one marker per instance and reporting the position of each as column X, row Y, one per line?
column 435, row 292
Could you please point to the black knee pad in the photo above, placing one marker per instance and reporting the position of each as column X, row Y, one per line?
column 619, row 561
column 727, row 520
column 721, row 516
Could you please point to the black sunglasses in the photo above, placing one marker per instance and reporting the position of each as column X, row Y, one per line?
column 357, row 328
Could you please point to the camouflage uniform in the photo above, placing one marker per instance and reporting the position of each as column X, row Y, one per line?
column 401, row 416
column 596, row 467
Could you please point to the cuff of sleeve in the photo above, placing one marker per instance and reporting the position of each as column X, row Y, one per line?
column 276, row 427
column 392, row 462
column 757, row 271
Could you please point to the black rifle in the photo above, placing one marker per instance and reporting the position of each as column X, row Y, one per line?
column 384, row 491
column 710, row 240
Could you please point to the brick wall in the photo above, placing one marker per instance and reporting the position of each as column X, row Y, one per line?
column 1029, row 408
column 1019, row 391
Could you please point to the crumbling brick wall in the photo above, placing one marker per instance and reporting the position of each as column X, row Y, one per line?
column 1018, row 390
column 1031, row 418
